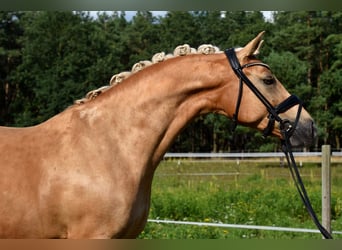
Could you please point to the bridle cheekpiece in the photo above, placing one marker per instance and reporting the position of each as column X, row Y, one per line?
column 286, row 127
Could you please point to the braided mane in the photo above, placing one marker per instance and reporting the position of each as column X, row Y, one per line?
column 181, row 50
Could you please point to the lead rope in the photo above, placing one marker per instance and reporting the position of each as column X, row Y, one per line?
column 287, row 149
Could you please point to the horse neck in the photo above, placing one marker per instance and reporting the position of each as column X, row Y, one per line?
column 147, row 111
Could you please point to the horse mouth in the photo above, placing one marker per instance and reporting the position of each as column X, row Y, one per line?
column 304, row 134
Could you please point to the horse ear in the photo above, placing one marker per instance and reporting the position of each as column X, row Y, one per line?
column 253, row 47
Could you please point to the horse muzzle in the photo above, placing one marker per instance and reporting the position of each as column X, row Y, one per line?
column 300, row 131
column 304, row 133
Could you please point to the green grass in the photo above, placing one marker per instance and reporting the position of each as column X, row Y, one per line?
column 250, row 193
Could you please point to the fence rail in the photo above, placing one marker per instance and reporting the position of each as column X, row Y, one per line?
column 271, row 228
column 245, row 155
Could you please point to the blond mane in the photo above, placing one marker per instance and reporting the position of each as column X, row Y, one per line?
column 181, row 50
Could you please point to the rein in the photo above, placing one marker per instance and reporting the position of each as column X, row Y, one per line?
column 287, row 127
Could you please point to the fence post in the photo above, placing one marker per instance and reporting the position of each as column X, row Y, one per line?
column 326, row 187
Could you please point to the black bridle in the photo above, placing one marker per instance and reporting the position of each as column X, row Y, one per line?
column 287, row 127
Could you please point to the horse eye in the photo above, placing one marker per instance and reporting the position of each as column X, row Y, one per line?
column 269, row 80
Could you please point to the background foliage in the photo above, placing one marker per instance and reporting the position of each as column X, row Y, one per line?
column 49, row 59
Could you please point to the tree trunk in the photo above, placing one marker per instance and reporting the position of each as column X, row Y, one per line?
column 337, row 140
column 214, row 142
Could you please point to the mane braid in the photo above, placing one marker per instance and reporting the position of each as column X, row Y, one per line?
column 181, row 50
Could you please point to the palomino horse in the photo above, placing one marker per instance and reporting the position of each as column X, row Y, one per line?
column 87, row 172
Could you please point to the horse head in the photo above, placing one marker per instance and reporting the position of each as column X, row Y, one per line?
column 264, row 103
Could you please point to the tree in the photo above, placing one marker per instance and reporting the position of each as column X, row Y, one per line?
column 177, row 28
column 313, row 37
column 141, row 38
column 291, row 72
column 65, row 55
column 108, row 48
column 45, row 74
column 11, row 32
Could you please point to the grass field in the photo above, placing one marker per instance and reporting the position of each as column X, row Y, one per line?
column 237, row 192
